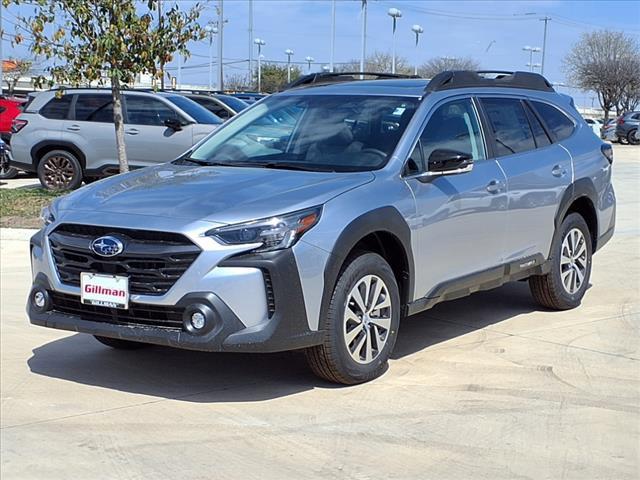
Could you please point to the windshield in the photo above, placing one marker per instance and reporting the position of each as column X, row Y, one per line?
column 195, row 111
column 312, row 132
column 235, row 103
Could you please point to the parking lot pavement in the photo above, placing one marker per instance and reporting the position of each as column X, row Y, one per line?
column 23, row 180
column 489, row 386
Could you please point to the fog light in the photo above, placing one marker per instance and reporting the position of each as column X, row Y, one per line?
column 198, row 320
column 39, row 300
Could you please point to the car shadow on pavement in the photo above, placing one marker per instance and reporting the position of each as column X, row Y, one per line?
column 233, row 377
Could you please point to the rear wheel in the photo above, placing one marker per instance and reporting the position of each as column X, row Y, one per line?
column 633, row 138
column 120, row 344
column 361, row 324
column 60, row 170
column 6, row 171
column 565, row 285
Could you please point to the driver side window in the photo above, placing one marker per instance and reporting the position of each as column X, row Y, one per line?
column 453, row 126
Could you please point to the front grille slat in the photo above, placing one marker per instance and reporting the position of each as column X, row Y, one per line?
column 137, row 314
column 153, row 261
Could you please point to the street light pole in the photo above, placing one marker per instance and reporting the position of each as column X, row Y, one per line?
column 260, row 43
column 333, row 33
column 544, row 42
column 531, row 51
column 288, row 52
column 309, row 62
column 211, row 29
column 395, row 14
column 417, row 29
column 220, row 40
column 364, row 35
column 251, row 42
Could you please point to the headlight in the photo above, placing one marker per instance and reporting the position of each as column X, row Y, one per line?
column 46, row 216
column 273, row 233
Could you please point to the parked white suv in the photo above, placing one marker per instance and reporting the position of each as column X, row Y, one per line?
column 68, row 136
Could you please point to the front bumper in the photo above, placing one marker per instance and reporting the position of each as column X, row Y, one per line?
column 284, row 327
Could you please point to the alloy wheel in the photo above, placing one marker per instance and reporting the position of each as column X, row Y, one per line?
column 367, row 319
column 573, row 260
column 58, row 172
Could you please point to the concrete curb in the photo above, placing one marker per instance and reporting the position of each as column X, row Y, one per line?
column 16, row 233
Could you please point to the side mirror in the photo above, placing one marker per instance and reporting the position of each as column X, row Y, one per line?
column 173, row 124
column 443, row 161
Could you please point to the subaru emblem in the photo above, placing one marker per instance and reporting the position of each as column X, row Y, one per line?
column 107, row 246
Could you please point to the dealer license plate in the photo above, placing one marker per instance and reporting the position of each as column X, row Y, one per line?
column 104, row 290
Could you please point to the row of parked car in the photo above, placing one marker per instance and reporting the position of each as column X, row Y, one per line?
column 67, row 136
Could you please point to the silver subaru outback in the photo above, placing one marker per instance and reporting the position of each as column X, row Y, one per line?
column 320, row 217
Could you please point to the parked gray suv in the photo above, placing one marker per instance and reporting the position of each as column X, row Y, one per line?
column 627, row 126
column 68, row 136
column 322, row 215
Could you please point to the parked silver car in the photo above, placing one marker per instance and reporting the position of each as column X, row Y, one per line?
column 321, row 216
column 68, row 136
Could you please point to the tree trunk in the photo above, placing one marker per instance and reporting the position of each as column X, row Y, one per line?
column 118, row 123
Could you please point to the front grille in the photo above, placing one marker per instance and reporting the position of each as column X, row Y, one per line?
column 137, row 314
column 153, row 261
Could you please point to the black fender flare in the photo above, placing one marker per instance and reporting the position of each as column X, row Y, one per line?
column 61, row 144
column 582, row 188
column 384, row 219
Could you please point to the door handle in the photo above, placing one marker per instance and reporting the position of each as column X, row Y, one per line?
column 73, row 128
column 132, row 131
column 559, row 171
column 494, row 186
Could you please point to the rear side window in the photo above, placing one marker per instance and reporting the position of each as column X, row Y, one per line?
column 560, row 126
column 94, row 108
column 540, row 136
column 57, row 108
column 510, row 125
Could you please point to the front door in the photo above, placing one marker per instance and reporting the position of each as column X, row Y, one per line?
column 460, row 223
column 148, row 140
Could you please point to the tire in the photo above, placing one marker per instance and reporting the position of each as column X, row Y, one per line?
column 632, row 137
column 622, row 140
column 59, row 170
column 120, row 344
column 555, row 290
column 355, row 361
column 7, row 173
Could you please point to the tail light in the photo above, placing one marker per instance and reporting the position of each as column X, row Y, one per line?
column 17, row 125
column 607, row 151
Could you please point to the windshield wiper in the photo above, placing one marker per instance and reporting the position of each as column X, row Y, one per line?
column 205, row 163
column 290, row 166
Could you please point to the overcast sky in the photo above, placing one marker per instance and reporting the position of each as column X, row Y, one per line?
column 492, row 32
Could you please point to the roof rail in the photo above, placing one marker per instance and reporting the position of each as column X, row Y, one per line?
column 488, row 78
column 323, row 78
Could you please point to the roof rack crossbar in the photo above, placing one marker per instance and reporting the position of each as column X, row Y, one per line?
column 488, row 78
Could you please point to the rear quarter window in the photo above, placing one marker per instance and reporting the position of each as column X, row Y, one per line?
column 57, row 108
column 560, row 126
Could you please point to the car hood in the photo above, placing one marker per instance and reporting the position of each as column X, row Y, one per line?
column 216, row 194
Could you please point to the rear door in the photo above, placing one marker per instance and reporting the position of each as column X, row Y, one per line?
column 148, row 140
column 538, row 173
column 91, row 129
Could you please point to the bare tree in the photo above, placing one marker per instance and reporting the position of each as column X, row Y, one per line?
column 238, row 82
column 17, row 68
column 377, row 62
column 436, row 65
column 608, row 63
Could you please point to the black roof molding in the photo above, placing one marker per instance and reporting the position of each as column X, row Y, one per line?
column 323, row 78
column 486, row 78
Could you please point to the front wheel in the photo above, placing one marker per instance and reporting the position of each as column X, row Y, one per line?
column 565, row 285
column 361, row 324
